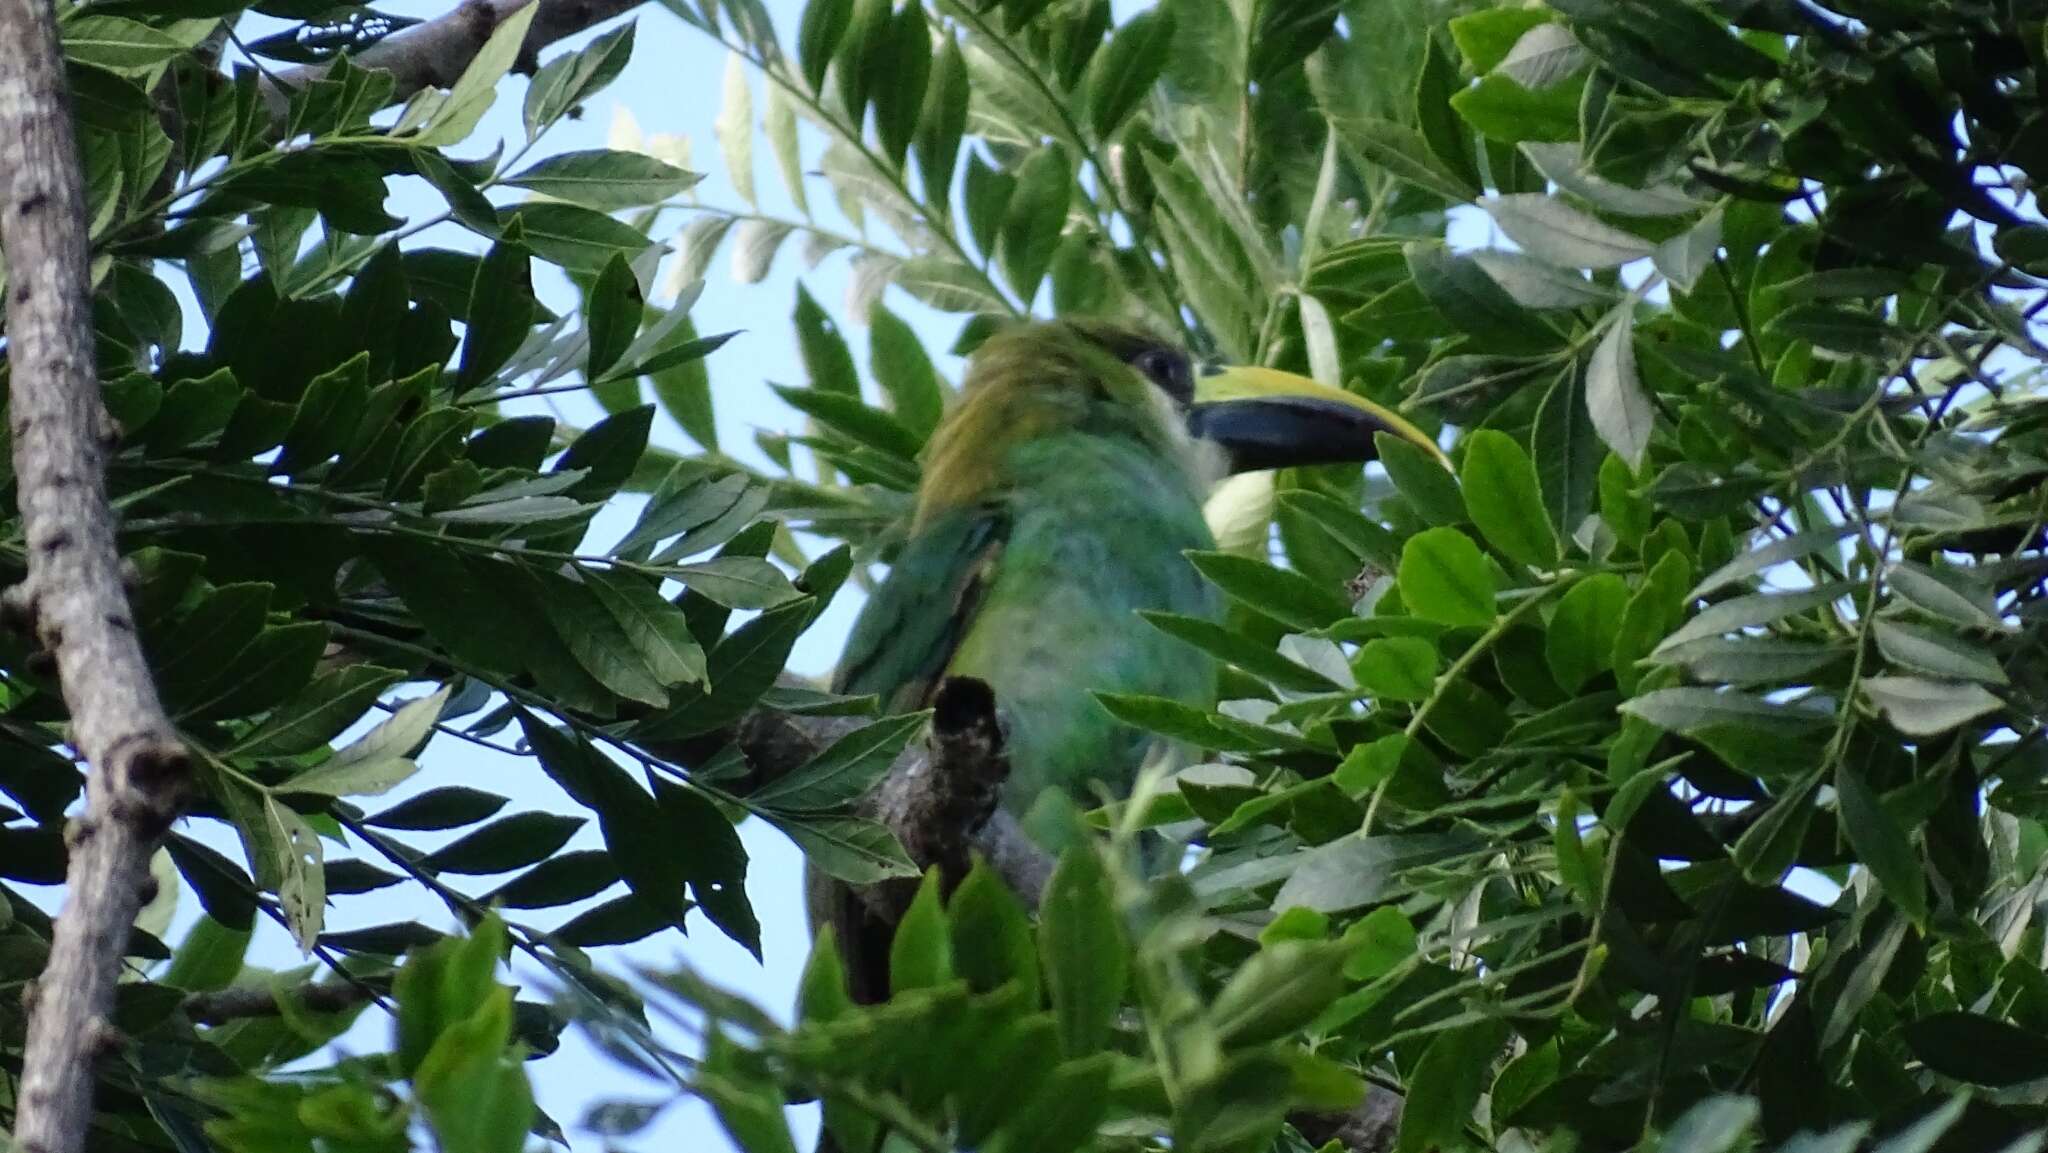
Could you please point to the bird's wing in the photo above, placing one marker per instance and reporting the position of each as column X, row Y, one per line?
column 907, row 635
column 900, row 647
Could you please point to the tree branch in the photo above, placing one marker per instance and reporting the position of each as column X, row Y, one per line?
column 434, row 54
column 220, row 1006
column 1369, row 1128
column 939, row 799
column 73, row 602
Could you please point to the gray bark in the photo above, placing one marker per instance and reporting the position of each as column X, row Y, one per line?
column 434, row 54
column 73, row 601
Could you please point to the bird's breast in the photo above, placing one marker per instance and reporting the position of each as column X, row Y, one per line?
column 1098, row 532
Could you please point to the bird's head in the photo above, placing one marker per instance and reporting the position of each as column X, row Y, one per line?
column 1095, row 376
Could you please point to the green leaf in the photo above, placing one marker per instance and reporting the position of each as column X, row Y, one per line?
column 1380, row 941
column 1880, row 842
column 1715, row 1125
column 603, row 179
column 1539, row 284
column 1934, row 652
column 301, row 885
column 1615, row 398
column 827, row 361
column 1768, row 849
column 474, row 1093
column 1685, row 258
column 448, row 807
column 1543, row 56
column 851, row 417
column 818, row 37
column 1941, row 592
column 1564, row 166
column 737, row 582
column 1281, row 988
column 1126, row 71
column 949, row 286
column 1081, row 950
column 1446, row 134
column 1444, row 578
column 1430, row 488
column 1353, row 872
column 1755, row 609
column 656, row 627
column 742, row 666
column 734, row 128
column 1285, row 595
column 1253, row 656
column 1505, row 111
column 611, row 316
column 596, row 638
column 578, row 239
column 778, row 124
column 1403, row 152
column 683, row 390
column 562, row 879
column 992, row 943
column 900, row 61
column 852, row 849
column 505, row 844
column 1552, row 230
column 474, row 90
column 1690, row 709
column 920, row 955
column 607, row 452
column 327, row 415
column 942, row 123
column 118, row 44
column 500, row 313
column 1979, row 1049
column 1923, row 708
column 1505, row 498
column 1397, row 668
column 210, row 957
column 573, row 77
column 900, row 365
column 1461, row 292
column 317, row 713
column 1446, row 1084
column 1036, row 214
column 1484, row 38
column 1779, row 551
column 1567, row 451
column 1579, row 644
column 845, row 771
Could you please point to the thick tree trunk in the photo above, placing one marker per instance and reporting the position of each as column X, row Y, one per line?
column 73, row 602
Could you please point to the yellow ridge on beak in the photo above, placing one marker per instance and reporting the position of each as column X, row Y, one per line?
column 1262, row 413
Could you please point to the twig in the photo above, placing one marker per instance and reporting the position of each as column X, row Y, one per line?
column 434, row 54
column 73, row 601
column 940, row 800
column 221, row 1006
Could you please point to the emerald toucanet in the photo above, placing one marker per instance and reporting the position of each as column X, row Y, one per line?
column 1058, row 498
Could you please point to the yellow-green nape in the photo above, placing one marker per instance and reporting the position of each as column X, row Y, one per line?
column 1033, row 380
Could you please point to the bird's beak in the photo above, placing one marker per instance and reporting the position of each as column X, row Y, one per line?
column 1265, row 418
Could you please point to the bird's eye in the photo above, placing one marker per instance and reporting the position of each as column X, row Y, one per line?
column 1167, row 370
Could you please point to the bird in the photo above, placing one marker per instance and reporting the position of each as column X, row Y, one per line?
column 1059, row 496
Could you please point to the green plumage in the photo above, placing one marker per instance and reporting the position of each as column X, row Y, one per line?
column 1058, row 498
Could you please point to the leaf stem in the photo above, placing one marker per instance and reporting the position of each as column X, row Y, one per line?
column 1465, row 661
